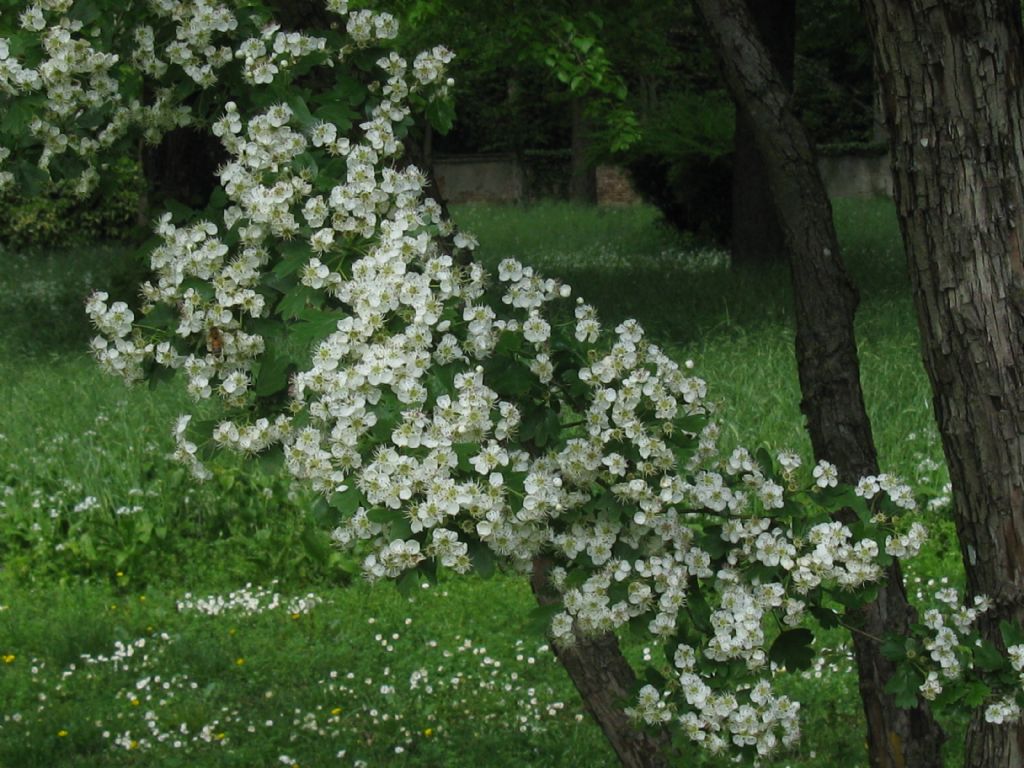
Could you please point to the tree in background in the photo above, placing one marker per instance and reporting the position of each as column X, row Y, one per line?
column 826, row 351
column 756, row 235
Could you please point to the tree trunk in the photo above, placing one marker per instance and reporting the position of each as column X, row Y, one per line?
column 756, row 233
column 825, row 302
column 607, row 685
column 951, row 76
column 583, row 178
column 183, row 167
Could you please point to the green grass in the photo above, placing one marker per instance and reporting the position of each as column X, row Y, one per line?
column 77, row 576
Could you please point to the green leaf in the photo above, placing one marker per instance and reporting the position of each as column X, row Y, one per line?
column 316, row 544
column 826, row 617
column 273, row 375
column 465, row 452
column 989, row 658
column 271, row 461
column 711, row 541
column 653, row 677
column 1012, row 633
column 302, row 114
column 894, row 647
column 410, row 582
column 509, row 378
column 31, row 179
column 340, row 114
column 381, row 515
column 540, row 618
column 692, row 424
column 793, row 650
column 440, row 113
column 975, row 693
column 347, row 502
column 202, row 288
column 483, row 560
column 903, row 686
column 85, row 11
column 541, row 425
column 348, row 89
column 699, row 610
column 294, row 255
column 297, row 300
column 18, row 113
column 160, row 317
column 315, row 326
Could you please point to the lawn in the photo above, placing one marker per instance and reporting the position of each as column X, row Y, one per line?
column 147, row 620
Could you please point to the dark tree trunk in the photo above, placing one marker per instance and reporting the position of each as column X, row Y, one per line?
column 607, row 685
column 756, row 233
column 183, row 167
column 583, row 178
column 951, row 75
column 825, row 302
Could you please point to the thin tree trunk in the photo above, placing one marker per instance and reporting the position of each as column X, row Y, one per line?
column 607, row 684
column 825, row 301
column 951, row 76
column 583, row 179
column 756, row 233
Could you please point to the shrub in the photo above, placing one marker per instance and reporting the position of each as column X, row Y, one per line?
column 59, row 218
column 683, row 164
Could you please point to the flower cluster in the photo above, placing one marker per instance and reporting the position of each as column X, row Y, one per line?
column 433, row 406
column 248, row 601
column 457, row 420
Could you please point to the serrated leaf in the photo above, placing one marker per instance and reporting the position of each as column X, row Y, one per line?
column 903, row 686
column 509, row 378
column 202, row 288
column 894, row 648
column 793, row 650
column 653, row 677
column 297, row 300
column 692, row 424
column 711, row 541
column 975, row 694
column 440, row 113
column 315, row 326
column 347, row 502
column 160, row 317
column 1012, row 634
column 340, row 115
column 543, row 429
column 273, row 375
column 989, row 658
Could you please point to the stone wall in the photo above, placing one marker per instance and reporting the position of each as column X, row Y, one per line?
column 856, row 175
column 503, row 178
column 614, row 187
column 479, row 178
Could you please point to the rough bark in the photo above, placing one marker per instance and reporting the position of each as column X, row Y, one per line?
column 825, row 301
column 606, row 684
column 756, row 233
column 951, row 74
